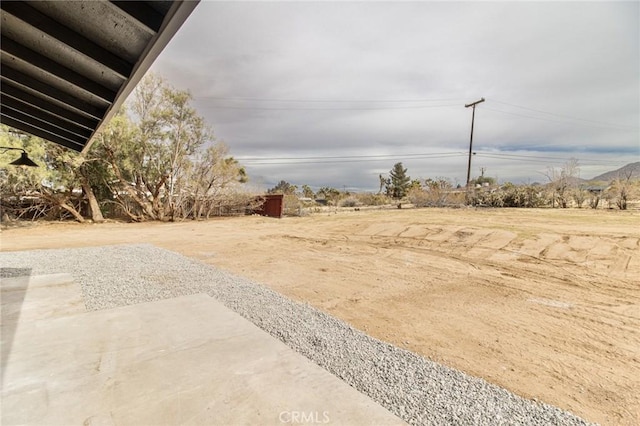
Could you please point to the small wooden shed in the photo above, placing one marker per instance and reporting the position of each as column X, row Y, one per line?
column 272, row 206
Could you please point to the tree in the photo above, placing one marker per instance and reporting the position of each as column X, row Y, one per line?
column 127, row 163
column 594, row 200
column 283, row 187
column 307, row 192
column 415, row 184
column 211, row 180
column 398, row 182
column 17, row 183
column 51, row 190
column 60, row 191
column 481, row 180
column 164, row 162
column 156, row 159
column 434, row 193
column 383, row 183
column 579, row 196
column 622, row 189
column 85, row 171
column 562, row 180
column 170, row 132
column 330, row 194
column 149, row 147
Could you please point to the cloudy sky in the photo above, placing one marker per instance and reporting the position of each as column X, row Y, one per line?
column 335, row 93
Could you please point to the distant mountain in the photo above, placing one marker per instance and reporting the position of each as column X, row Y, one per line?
column 633, row 168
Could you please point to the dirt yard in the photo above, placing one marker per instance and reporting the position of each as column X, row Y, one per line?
column 545, row 303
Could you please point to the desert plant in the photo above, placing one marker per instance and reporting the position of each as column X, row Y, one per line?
column 622, row 189
column 368, row 199
column 435, row 193
column 283, row 187
column 562, row 180
column 292, row 205
column 579, row 196
column 349, row 202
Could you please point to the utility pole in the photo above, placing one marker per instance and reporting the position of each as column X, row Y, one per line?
column 473, row 115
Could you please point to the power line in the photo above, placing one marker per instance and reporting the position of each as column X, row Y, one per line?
column 583, row 162
column 332, row 160
column 500, row 155
column 533, row 156
column 325, row 162
column 614, row 126
column 360, row 160
column 322, row 157
column 325, row 108
column 242, row 99
column 544, row 159
column 564, row 116
column 414, row 103
column 531, row 160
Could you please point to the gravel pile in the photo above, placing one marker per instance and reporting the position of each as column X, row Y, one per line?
column 416, row 389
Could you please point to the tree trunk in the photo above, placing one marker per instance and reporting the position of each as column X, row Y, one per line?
column 77, row 216
column 145, row 206
column 94, row 207
column 62, row 203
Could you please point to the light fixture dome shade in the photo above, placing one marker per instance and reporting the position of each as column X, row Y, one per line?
column 24, row 160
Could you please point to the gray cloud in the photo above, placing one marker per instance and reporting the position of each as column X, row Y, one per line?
column 282, row 80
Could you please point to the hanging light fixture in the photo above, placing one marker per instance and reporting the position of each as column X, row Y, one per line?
column 24, row 159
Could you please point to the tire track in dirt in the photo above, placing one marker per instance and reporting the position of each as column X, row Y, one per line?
column 568, row 257
column 549, row 249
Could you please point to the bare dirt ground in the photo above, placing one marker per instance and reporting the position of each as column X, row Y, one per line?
column 545, row 303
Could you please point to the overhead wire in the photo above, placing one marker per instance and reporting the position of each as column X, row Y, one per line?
column 345, row 159
column 297, row 104
column 525, row 156
column 600, row 125
column 564, row 116
column 545, row 159
column 333, row 108
column 350, row 156
column 257, row 161
column 416, row 103
column 326, row 100
column 533, row 160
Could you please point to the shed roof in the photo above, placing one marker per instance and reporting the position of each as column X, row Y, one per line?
column 67, row 66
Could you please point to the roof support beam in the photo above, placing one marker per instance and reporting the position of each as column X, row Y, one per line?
column 143, row 13
column 40, row 133
column 66, row 67
column 53, row 29
column 44, row 116
column 7, row 88
column 37, row 60
column 31, row 125
column 17, row 77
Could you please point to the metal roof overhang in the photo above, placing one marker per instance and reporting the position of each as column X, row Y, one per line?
column 67, row 66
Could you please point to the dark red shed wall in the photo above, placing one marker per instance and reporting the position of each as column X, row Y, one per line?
column 273, row 206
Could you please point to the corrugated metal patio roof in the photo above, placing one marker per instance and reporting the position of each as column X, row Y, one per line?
column 67, row 66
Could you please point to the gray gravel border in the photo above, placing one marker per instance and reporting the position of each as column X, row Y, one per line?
column 414, row 388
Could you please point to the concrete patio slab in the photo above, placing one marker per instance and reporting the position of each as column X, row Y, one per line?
column 40, row 297
column 187, row 360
